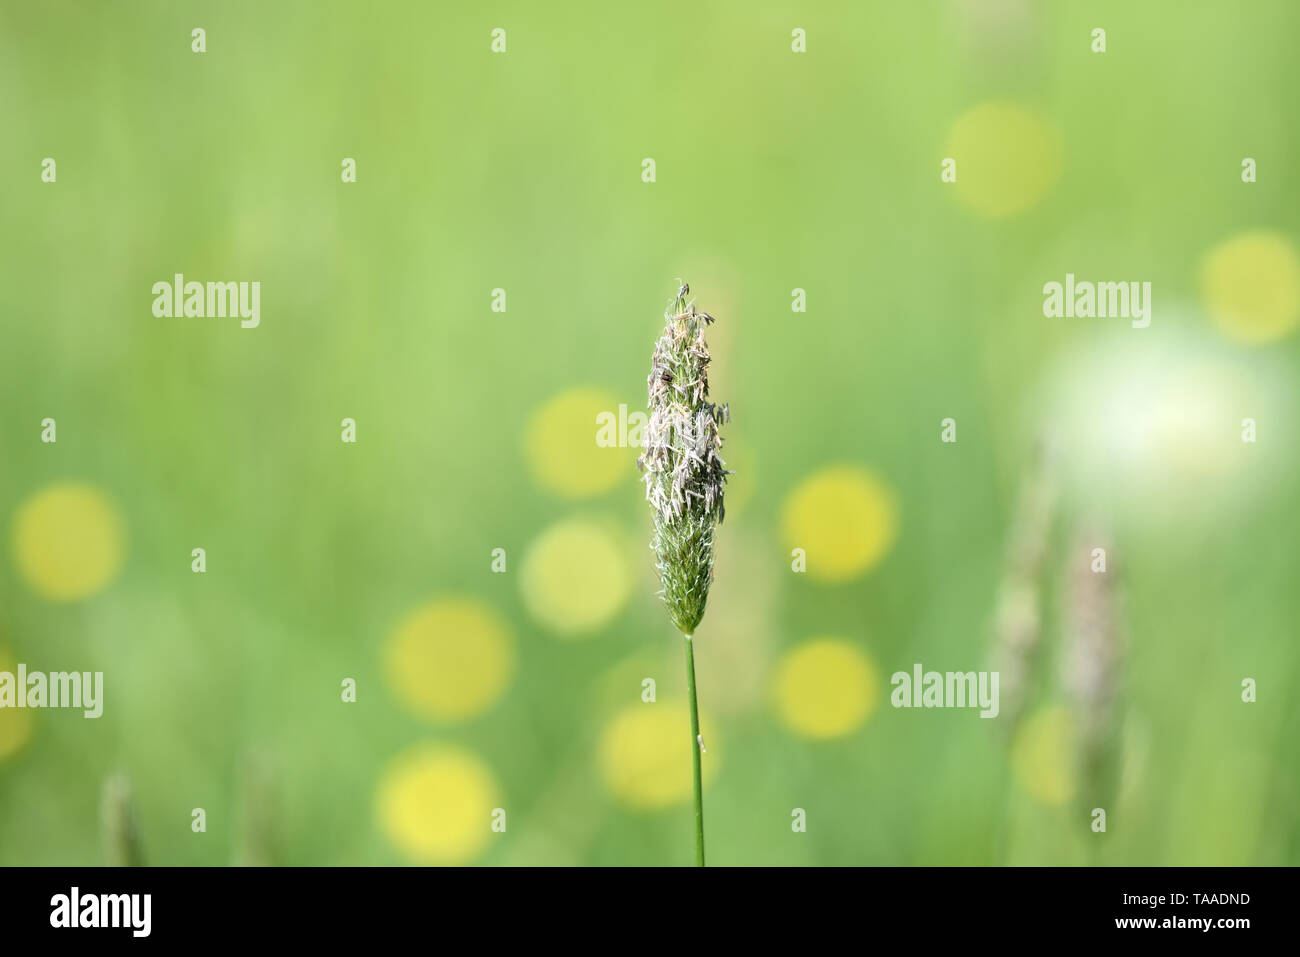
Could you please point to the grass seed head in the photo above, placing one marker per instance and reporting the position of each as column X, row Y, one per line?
column 682, row 467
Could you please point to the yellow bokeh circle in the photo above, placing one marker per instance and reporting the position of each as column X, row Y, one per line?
column 645, row 754
column 1006, row 159
column 825, row 688
column 561, row 449
column 15, row 723
column 1251, row 286
column 69, row 541
column 845, row 519
column 435, row 804
column 575, row 577
column 1041, row 756
column 450, row 660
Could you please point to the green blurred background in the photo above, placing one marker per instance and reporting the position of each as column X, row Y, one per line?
column 522, row 171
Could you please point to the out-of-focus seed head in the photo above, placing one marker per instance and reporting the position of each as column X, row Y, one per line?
column 1092, row 665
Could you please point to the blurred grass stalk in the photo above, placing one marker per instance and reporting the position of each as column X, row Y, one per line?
column 255, row 848
column 1018, row 620
column 122, row 845
column 1092, row 663
column 1018, row 616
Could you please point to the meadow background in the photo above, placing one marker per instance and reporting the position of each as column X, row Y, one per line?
column 775, row 170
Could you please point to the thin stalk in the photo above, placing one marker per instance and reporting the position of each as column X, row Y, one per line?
column 684, row 478
column 696, row 746
column 121, row 830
